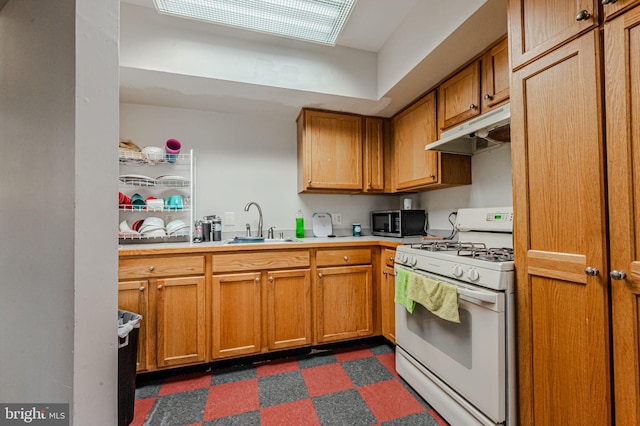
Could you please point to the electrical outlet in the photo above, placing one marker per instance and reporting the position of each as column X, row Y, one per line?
column 336, row 218
column 229, row 218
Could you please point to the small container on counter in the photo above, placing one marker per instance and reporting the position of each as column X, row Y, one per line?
column 197, row 235
column 357, row 229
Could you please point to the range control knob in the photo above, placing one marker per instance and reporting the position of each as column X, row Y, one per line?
column 473, row 274
column 457, row 271
column 413, row 261
column 400, row 257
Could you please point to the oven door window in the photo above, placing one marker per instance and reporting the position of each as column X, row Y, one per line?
column 453, row 339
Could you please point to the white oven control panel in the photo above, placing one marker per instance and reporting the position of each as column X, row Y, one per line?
column 485, row 219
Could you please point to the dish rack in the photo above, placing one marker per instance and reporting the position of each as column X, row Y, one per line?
column 156, row 179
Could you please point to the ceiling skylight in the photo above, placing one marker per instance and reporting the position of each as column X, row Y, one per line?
column 319, row 21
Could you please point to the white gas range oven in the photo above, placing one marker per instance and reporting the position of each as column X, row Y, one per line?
column 466, row 370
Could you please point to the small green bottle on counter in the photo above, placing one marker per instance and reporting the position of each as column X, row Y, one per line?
column 299, row 224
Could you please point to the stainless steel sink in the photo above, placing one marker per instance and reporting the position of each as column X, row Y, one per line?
column 260, row 240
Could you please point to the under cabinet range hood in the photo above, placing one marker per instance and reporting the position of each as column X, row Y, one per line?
column 487, row 131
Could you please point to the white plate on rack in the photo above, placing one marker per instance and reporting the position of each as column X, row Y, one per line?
column 173, row 180
column 137, row 180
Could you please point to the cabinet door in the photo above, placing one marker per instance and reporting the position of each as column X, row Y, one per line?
column 413, row 128
column 459, row 97
column 132, row 297
column 612, row 8
column 344, row 303
column 495, row 76
column 622, row 68
column 558, row 172
column 331, row 148
column 388, row 305
column 538, row 26
column 373, row 154
column 180, row 321
column 237, row 314
column 289, row 308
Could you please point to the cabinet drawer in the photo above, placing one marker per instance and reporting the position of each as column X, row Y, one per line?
column 338, row 257
column 389, row 257
column 229, row 262
column 151, row 267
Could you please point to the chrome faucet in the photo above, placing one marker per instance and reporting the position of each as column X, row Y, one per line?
column 246, row 209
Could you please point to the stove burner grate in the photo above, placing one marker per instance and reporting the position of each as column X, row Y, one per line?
column 468, row 249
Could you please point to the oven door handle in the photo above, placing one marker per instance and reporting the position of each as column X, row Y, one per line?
column 480, row 295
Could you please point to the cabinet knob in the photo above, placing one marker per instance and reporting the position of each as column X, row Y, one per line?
column 141, row 288
column 320, row 275
column 473, row 106
column 432, row 176
column 159, row 287
column 617, row 275
column 385, row 273
column 271, row 279
column 346, row 258
column 583, row 15
column 609, row 1
column 309, row 182
column 591, row 271
column 258, row 280
column 391, row 259
column 488, row 97
column 151, row 268
column 369, row 184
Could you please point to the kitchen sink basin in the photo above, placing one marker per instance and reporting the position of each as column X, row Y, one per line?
column 260, row 240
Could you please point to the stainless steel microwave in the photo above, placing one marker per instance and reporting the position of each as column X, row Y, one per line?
column 398, row 223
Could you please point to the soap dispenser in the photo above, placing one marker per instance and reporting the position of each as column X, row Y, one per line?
column 299, row 224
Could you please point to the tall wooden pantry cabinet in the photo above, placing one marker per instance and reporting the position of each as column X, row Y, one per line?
column 575, row 210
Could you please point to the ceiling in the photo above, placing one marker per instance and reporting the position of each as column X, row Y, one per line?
column 371, row 25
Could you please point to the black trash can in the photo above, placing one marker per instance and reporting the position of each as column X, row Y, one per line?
column 128, row 329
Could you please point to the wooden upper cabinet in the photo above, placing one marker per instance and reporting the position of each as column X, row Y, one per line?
column 538, row 26
column 415, row 168
column 613, row 8
column 495, row 76
column 413, row 128
column 374, row 144
column 459, row 97
column 622, row 89
column 329, row 152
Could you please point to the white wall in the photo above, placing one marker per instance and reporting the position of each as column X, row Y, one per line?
column 242, row 158
column 58, row 291
column 491, row 187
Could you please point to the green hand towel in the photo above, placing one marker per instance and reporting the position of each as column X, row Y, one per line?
column 400, row 296
column 438, row 297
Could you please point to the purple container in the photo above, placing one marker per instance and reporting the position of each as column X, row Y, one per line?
column 172, row 148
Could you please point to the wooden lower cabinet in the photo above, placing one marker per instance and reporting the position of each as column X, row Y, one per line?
column 387, row 291
column 248, row 305
column 288, row 309
column 132, row 297
column 172, row 332
column 344, row 303
column 237, row 313
column 180, row 321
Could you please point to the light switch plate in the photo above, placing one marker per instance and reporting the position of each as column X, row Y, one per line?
column 336, row 218
column 229, row 218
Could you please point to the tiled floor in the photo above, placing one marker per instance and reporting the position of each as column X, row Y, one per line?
column 344, row 386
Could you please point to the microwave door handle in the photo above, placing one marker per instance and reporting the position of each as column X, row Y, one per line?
column 485, row 297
